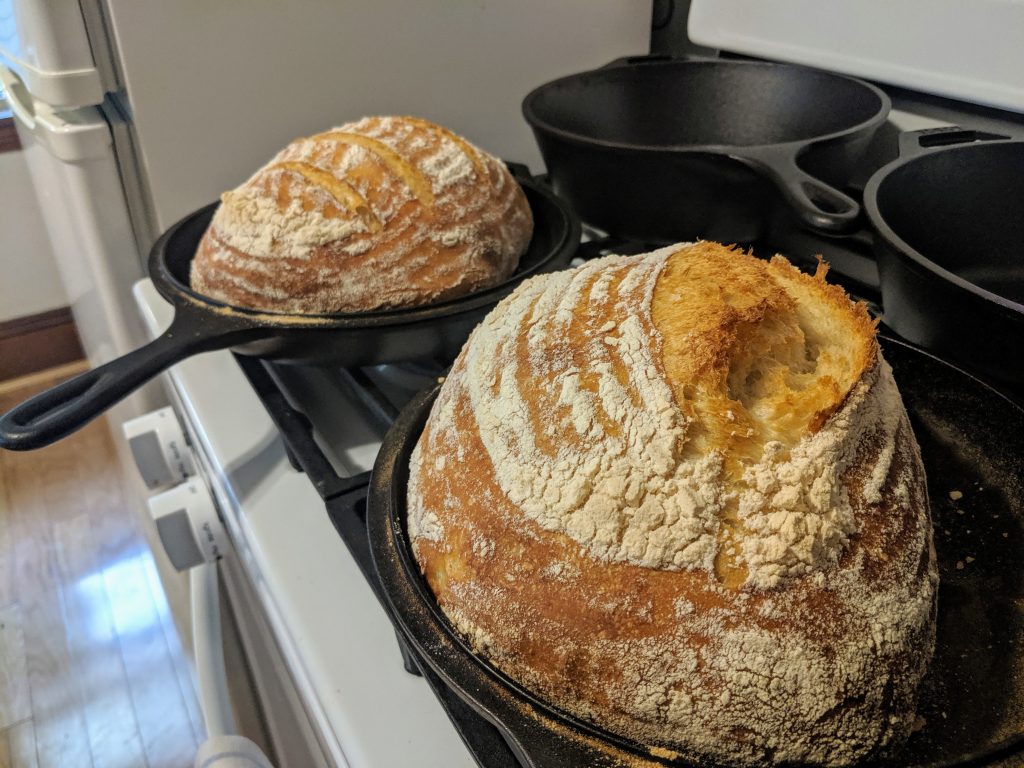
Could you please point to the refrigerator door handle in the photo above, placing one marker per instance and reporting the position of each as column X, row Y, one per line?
column 16, row 92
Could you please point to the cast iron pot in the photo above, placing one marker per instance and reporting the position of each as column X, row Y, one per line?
column 948, row 219
column 202, row 324
column 655, row 148
column 972, row 702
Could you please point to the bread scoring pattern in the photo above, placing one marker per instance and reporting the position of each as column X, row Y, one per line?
column 383, row 212
column 605, row 455
column 678, row 495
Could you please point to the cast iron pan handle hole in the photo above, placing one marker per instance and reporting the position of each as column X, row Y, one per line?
column 648, row 59
column 817, row 206
column 917, row 143
column 45, row 402
column 825, row 200
column 946, row 138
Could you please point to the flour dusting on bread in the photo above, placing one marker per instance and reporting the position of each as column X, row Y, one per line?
column 603, row 455
column 382, row 212
column 678, row 495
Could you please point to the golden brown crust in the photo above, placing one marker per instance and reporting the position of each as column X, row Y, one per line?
column 380, row 213
column 813, row 660
column 751, row 358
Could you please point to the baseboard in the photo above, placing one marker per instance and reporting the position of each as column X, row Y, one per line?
column 37, row 342
column 8, row 135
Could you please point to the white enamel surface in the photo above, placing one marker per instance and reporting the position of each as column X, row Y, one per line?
column 205, row 538
column 33, row 283
column 173, row 463
column 82, row 204
column 45, row 43
column 70, row 135
column 75, row 177
column 216, row 90
column 970, row 51
column 336, row 639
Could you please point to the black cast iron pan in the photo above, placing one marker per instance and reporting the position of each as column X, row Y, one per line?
column 972, row 700
column 663, row 149
column 948, row 221
column 201, row 324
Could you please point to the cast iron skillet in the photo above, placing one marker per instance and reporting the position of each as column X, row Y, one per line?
column 656, row 148
column 972, row 700
column 948, row 221
column 201, row 324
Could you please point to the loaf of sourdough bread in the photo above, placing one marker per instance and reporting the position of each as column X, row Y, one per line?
column 678, row 496
column 381, row 213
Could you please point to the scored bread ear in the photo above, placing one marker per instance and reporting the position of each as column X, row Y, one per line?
column 756, row 352
column 775, row 349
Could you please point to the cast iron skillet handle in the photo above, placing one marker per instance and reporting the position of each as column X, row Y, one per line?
column 62, row 409
column 915, row 143
column 818, row 206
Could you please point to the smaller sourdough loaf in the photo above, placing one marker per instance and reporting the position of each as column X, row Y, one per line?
column 678, row 495
column 381, row 213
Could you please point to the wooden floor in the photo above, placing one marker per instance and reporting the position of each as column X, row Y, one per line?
column 91, row 669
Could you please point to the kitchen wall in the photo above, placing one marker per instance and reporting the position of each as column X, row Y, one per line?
column 30, row 282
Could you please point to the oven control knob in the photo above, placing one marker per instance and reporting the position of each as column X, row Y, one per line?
column 188, row 525
column 158, row 444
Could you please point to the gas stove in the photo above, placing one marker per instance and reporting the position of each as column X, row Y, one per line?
column 287, row 453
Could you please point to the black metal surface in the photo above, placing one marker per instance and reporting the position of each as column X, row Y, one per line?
column 654, row 148
column 366, row 392
column 202, row 324
column 297, row 433
column 972, row 442
column 348, row 514
column 949, row 230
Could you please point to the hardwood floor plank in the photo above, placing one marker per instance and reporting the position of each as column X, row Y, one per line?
column 61, row 736
column 95, row 650
column 182, row 667
column 60, row 733
column 15, row 704
column 119, row 539
column 7, row 593
column 24, row 387
column 18, row 746
column 107, row 680
column 159, row 707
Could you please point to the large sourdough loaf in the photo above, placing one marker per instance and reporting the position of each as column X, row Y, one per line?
column 381, row 213
column 678, row 495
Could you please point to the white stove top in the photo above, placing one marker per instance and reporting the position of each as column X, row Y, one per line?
column 338, row 643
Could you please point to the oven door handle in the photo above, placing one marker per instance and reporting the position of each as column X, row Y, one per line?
column 223, row 748
column 211, row 679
